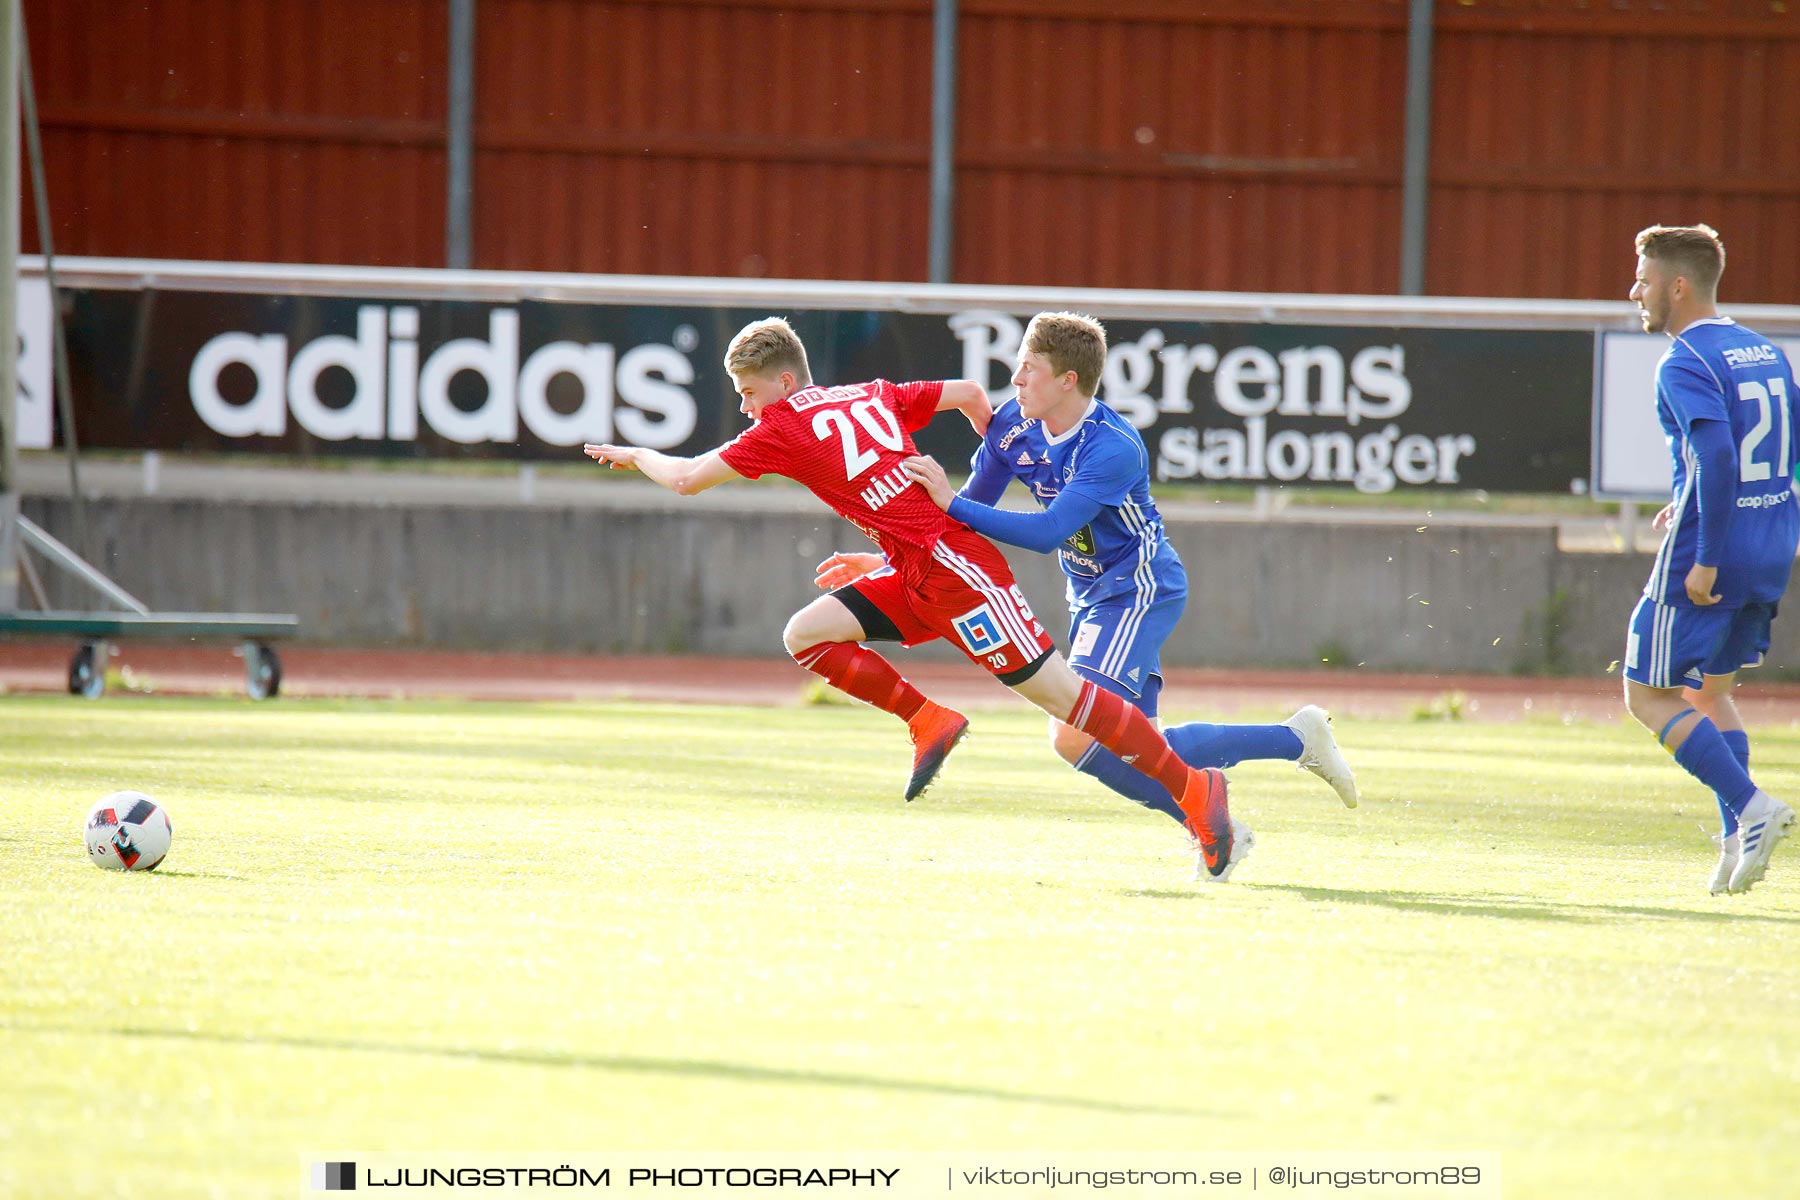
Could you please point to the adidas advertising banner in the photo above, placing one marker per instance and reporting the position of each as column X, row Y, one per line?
column 1378, row 408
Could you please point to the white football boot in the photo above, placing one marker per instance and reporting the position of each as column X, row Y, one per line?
column 1728, row 861
column 1762, row 824
column 1319, row 752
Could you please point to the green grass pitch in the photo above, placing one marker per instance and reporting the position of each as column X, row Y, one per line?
column 420, row 926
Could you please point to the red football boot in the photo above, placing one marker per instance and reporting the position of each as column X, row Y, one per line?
column 1221, row 840
column 935, row 732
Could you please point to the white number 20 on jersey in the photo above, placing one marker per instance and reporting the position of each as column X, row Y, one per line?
column 1749, row 470
column 874, row 417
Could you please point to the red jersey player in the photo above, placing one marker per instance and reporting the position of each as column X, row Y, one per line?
column 846, row 445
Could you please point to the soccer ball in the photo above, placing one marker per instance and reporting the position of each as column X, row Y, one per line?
column 128, row 831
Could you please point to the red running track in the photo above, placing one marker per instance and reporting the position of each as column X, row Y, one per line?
column 41, row 667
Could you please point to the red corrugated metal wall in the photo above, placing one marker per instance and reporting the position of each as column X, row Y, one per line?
column 1182, row 145
column 758, row 137
column 264, row 130
column 1560, row 129
column 1224, row 144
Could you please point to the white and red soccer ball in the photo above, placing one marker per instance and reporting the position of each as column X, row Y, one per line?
column 128, row 831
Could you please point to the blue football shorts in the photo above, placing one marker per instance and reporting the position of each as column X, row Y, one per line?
column 1118, row 644
column 1671, row 646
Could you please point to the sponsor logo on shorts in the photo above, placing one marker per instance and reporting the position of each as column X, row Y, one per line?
column 1085, row 639
column 979, row 630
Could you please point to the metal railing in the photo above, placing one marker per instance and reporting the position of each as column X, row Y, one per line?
column 1271, row 307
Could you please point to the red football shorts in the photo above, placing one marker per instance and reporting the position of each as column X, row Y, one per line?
column 966, row 596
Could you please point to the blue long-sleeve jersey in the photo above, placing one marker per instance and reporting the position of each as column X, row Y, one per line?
column 1726, row 396
column 1094, row 485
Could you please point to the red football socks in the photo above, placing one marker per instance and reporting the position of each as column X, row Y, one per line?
column 1128, row 733
column 860, row 672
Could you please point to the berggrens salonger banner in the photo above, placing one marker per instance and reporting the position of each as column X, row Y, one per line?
column 1378, row 408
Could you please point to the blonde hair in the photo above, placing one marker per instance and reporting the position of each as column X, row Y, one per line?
column 1691, row 251
column 1069, row 342
column 767, row 348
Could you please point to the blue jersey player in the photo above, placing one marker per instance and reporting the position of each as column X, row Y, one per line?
column 1725, row 396
column 1088, row 469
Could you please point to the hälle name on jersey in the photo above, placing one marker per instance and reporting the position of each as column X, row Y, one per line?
column 885, row 488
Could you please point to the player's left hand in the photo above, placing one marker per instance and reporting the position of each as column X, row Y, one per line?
column 841, row 569
column 1700, row 582
column 619, row 458
column 924, row 471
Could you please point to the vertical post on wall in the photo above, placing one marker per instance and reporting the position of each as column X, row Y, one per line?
column 1416, row 180
column 59, row 342
column 460, row 136
column 9, row 303
column 943, row 138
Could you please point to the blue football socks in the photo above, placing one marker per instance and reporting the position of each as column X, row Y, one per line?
column 1129, row 782
column 1202, row 745
column 1708, row 757
column 1197, row 745
column 1739, row 742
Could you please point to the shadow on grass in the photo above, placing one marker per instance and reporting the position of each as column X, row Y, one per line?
column 678, row 1067
column 1527, row 908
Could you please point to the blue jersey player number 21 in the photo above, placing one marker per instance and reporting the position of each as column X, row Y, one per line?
column 1725, row 399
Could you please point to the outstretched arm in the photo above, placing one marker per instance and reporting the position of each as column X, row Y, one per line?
column 685, row 476
column 1040, row 531
column 988, row 477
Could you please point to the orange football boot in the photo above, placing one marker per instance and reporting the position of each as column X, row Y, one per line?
column 1222, row 841
column 935, row 732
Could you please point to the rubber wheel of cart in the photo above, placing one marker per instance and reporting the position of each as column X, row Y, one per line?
column 262, row 672
column 87, row 675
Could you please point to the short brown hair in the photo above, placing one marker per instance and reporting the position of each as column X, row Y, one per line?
column 1070, row 342
column 1693, row 252
column 767, row 348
